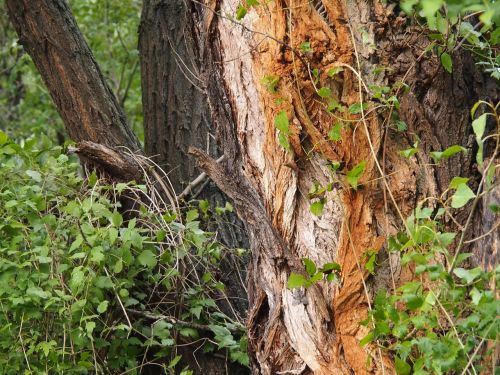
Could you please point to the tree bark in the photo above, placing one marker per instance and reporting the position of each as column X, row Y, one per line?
column 88, row 107
column 318, row 330
column 177, row 116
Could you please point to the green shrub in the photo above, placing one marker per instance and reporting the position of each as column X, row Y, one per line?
column 83, row 289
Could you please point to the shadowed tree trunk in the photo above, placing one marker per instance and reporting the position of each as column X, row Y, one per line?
column 177, row 116
column 316, row 330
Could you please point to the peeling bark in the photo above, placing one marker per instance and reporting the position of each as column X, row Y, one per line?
column 318, row 330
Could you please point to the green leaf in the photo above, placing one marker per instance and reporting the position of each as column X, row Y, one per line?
column 36, row 176
column 283, row 141
column 479, row 125
column 354, row 174
column 305, row 47
column 296, row 280
column 174, row 361
column 447, row 62
column 335, row 133
column 241, row 12
column 456, row 181
column 147, row 259
column 462, row 195
column 367, row 339
column 333, row 71
column 325, row 92
column 329, row 267
column 270, row 82
column 103, row 306
column 402, row 368
column 192, row 215
column 450, row 151
column 116, row 219
column 118, row 266
column 468, row 275
column 36, row 291
column 3, row 138
column 409, row 152
column 46, row 347
column 357, row 108
column 281, row 122
column 317, row 207
column 310, row 266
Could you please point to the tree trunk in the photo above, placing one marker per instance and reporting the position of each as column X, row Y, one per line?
column 89, row 109
column 318, row 329
column 177, row 116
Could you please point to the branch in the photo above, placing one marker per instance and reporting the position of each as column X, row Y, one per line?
column 178, row 322
column 116, row 164
column 197, row 181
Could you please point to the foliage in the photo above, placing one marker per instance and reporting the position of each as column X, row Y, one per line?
column 86, row 286
column 329, row 271
column 470, row 24
column 439, row 323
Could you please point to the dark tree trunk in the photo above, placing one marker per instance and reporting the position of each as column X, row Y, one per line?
column 177, row 116
column 88, row 107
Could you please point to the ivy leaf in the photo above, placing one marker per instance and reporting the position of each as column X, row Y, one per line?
column 281, row 122
column 467, row 275
column 317, row 207
column 447, row 62
column 354, row 174
column 479, row 125
column 3, row 137
column 367, row 339
column 192, row 215
column 36, row 176
column 103, row 306
column 356, row 108
column 409, row 152
column 310, row 266
column 462, row 195
column 37, row 292
column 116, row 219
column 402, row 368
column 325, row 92
column 332, row 72
column 335, row 133
column 330, row 267
column 241, row 12
column 305, row 47
column 147, row 259
column 296, row 280
column 457, row 181
column 450, row 151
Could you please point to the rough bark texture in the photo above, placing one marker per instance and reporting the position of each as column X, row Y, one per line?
column 176, row 112
column 89, row 109
column 318, row 330
column 290, row 332
column 177, row 116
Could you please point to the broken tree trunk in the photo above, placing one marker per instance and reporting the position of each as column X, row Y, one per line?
column 318, row 330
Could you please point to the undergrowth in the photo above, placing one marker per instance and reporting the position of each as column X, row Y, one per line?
column 88, row 287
